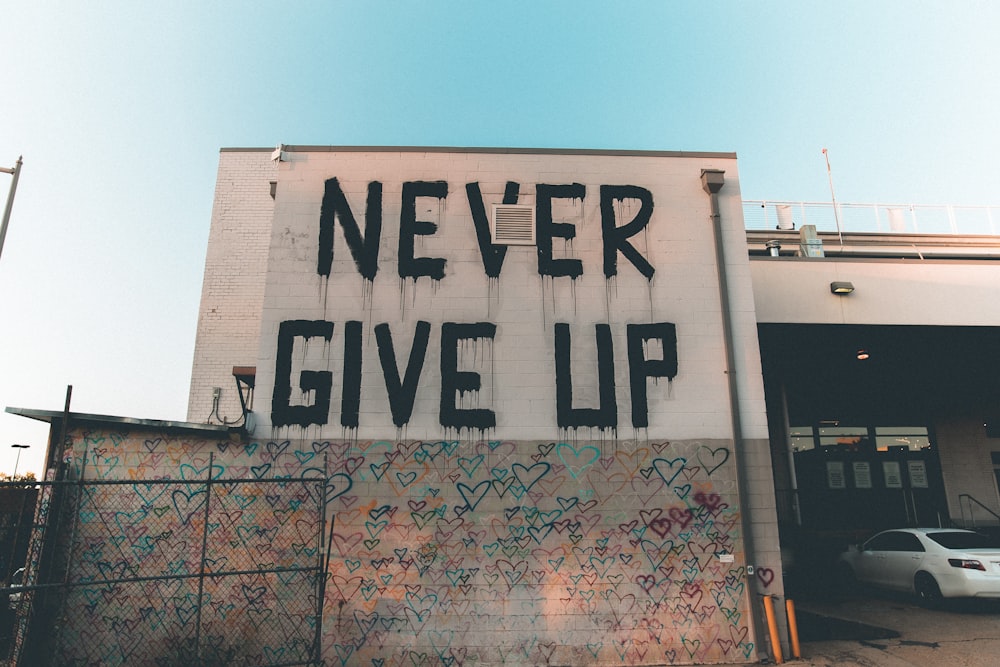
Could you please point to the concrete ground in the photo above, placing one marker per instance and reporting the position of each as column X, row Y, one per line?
column 961, row 634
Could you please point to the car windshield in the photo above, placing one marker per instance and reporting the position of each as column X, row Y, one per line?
column 956, row 540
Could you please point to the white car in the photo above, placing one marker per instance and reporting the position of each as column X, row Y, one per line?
column 934, row 563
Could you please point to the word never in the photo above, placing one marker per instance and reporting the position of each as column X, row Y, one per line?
column 364, row 247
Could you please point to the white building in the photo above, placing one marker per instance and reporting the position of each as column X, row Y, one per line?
column 559, row 441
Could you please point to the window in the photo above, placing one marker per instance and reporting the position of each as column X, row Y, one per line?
column 849, row 436
column 894, row 541
column 906, row 542
column 855, row 438
column 913, row 438
column 804, row 438
column 801, row 438
column 958, row 540
column 879, row 542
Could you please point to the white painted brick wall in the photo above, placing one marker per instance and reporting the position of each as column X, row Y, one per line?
column 233, row 290
column 524, row 306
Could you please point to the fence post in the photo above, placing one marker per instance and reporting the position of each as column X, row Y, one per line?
column 323, row 561
column 201, row 565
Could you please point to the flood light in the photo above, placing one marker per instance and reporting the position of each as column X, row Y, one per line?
column 841, row 287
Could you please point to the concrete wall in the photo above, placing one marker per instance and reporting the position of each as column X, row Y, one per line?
column 967, row 467
column 887, row 291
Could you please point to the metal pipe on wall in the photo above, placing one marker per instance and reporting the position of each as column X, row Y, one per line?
column 712, row 181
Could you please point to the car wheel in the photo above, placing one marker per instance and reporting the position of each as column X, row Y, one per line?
column 928, row 590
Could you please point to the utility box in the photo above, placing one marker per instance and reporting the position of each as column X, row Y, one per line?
column 810, row 245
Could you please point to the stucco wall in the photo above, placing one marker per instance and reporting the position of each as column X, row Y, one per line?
column 887, row 291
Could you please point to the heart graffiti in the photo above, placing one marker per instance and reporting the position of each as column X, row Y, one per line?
column 437, row 552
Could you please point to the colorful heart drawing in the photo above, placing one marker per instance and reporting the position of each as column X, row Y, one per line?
column 438, row 538
column 530, row 475
column 668, row 469
column 765, row 575
column 577, row 460
column 712, row 459
column 473, row 496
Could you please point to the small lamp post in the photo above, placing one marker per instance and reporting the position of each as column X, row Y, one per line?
column 18, row 459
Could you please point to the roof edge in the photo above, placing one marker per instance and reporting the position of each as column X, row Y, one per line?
column 502, row 151
column 154, row 424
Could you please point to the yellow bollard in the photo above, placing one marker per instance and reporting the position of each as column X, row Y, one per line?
column 772, row 627
column 793, row 629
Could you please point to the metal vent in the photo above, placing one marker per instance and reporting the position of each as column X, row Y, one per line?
column 513, row 224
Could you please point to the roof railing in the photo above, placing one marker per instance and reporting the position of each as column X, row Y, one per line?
column 872, row 218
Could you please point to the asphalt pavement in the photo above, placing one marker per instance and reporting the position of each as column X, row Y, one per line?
column 877, row 629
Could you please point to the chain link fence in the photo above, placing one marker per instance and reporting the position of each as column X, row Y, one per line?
column 177, row 572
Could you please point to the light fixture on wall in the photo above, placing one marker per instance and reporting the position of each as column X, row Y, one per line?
column 841, row 287
column 863, row 354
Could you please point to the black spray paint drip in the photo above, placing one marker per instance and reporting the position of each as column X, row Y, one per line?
column 409, row 265
column 641, row 368
column 493, row 255
column 456, row 383
column 283, row 413
column 402, row 393
column 363, row 248
column 615, row 237
column 606, row 415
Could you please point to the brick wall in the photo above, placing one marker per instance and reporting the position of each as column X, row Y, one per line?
column 439, row 553
column 517, row 365
column 233, row 289
column 537, row 539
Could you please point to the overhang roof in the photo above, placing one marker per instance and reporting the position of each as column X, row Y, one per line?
column 152, row 424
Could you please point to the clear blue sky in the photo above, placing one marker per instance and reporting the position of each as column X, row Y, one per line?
column 120, row 107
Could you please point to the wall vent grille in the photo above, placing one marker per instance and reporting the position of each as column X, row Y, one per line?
column 513, row 224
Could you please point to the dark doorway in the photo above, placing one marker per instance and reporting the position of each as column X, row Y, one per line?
column 869, row 377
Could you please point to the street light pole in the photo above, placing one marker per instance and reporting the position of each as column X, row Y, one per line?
column 18, row 459
column 16, row 172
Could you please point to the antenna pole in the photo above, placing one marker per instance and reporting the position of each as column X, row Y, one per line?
column 836, row 212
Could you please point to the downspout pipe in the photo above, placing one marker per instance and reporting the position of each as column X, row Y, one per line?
column 712, row 181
